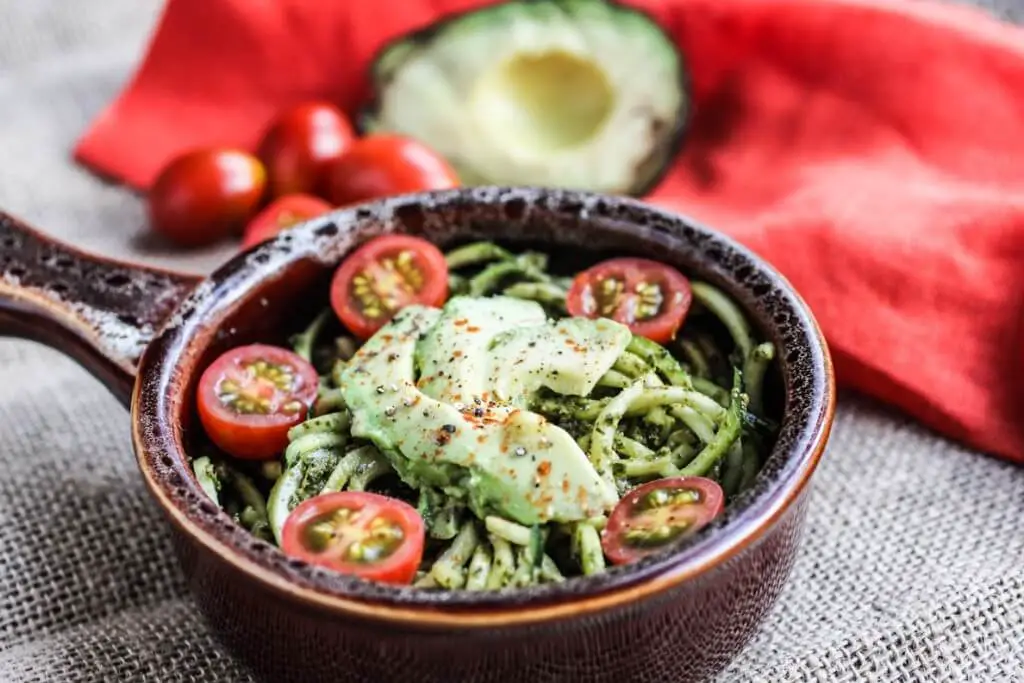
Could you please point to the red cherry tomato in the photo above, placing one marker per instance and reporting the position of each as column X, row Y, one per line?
column 649, row 297
column 251, row 396
column 300, row 145
column 658, row 513
column 385, row 165
column 205, row 196
column 282, row 214
column 364, row 534
column 383, row 276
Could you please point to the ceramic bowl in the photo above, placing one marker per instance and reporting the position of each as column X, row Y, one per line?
column 681, row 616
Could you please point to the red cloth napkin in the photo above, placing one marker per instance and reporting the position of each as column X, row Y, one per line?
column 872, row 150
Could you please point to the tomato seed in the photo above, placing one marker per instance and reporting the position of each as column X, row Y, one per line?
column 650, row 301
column 382, row 539
column 254, row 393
column 610, row 296
column 654, row 536
column 386, row 284
column 664, row 497
column 339, row 531
column 292, row 407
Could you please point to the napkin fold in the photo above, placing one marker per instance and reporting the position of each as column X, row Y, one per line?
column 872, row 150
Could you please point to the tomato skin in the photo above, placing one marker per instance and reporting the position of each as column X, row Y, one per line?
column 695, row 515
column 634, row 273
column 281, row 214
column 254, row 436
column 427, row 259
column 399, row 567
column 300, row 145
column 204, row 196
column 386, row 165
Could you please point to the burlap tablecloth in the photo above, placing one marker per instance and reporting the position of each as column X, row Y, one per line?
column 912, row 569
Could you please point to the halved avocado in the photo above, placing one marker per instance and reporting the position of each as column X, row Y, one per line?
column 582, row 94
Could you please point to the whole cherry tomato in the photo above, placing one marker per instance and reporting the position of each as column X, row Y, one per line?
column 658, row 513
column 251, row 396
column 651, row 298
column 300, row 144
column 384, row 165
column 353, row 532
column 206, row 195
column 281, row 214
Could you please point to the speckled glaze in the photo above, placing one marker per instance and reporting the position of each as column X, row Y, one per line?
column 101, row 312
column 677, row 616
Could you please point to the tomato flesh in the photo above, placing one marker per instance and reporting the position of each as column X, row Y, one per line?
column 364, row 534
column 301, row 144
column 651, row 298
column 251, row 396
column 282, row 214
column 385, row 275
column 658, row 513
column 205, row 196
column 386, row 165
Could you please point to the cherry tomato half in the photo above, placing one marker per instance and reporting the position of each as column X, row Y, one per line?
column 205, row 196
column 251, row 396
column 364, row 534
column 300, row 144
column 281, row 214
column 649, row 297
column 658, row 513
column 383, row 276
column 385, row 165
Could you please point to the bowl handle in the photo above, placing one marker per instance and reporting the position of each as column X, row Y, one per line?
column 98, row 311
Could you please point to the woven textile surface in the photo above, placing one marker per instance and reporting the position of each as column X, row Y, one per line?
column 912, row 567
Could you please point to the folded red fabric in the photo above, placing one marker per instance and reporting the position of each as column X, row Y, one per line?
column 872, row 150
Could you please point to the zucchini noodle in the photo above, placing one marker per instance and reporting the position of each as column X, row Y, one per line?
column 691, row 408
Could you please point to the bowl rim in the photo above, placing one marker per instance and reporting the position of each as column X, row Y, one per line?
column 162, row 460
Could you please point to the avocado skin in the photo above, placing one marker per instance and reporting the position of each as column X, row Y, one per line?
column 658, row 163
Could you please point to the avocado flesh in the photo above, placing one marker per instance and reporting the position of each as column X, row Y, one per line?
column 454, row 362
column 504, row 349
column 580, row 94
column 501, row 457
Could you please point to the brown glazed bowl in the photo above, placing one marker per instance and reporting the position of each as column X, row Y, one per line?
column 678, row 616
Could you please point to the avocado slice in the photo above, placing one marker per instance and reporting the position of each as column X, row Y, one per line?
column 497, row 456
column 454, row 359
column 582, row 94
column 566, row 356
